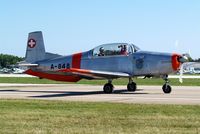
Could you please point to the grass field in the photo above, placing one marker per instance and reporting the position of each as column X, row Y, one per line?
column 32, row 80
column 37, row 116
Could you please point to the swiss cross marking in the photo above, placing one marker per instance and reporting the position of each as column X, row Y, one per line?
column 31, row 43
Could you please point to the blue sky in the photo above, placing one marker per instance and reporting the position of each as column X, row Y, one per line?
column 71, row 26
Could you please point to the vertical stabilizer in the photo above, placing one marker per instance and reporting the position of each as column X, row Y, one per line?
column 35, row 50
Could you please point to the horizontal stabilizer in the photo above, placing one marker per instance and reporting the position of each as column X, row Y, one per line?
column 26, row 64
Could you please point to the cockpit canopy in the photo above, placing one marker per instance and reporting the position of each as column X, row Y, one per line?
column 115, row 49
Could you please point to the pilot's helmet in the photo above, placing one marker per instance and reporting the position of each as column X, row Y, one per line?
column 101, row 49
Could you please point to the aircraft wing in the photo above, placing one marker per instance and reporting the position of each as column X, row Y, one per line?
column 91, row 74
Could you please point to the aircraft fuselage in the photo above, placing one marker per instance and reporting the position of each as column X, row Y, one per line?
column 140, row 63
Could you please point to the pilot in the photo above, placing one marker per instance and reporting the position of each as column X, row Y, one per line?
column 101, row 51
column 123, row 50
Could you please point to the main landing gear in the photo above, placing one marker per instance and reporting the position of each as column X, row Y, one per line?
column 166, row 87
column 131, row 85
column 108, row 87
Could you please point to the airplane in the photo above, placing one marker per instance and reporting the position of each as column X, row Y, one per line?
column 108, row 61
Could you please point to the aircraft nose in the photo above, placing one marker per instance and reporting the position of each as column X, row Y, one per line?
column 177, row 60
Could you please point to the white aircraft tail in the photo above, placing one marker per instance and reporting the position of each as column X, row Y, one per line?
column 35, row 50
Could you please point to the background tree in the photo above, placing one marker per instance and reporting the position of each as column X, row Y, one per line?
column 7, row 60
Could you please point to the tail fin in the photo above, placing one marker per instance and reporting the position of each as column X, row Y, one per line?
column 35, row 50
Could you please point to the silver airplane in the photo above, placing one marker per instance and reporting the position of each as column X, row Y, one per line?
column 107, row 61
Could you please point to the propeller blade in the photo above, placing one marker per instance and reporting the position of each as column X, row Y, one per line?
column 181, row 74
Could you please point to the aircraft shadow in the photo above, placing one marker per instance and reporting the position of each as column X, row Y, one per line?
column 70, row 93
column 9, row 90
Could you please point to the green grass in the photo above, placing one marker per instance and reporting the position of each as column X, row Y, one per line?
column 174, row 82
column 38, row 116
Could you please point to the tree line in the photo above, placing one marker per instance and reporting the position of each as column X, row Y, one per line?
column 196, row 60
column 6, row 60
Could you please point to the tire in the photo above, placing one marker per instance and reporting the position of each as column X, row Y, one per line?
column 167, row 88
column 132, row 87
column 108, row 88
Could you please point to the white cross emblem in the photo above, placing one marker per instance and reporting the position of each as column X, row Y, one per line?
column 31, row 43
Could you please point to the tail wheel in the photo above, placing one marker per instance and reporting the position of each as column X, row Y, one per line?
column 108, row 88
column 167, row 88
column 132, row 86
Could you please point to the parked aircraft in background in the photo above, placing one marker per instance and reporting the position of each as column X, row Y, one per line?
column 191, row 68
column 17, row 71
column 5, row 70
column 107, row 61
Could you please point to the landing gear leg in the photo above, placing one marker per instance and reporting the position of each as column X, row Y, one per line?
column 166, row 87
column 131, row 85
column 108, row 87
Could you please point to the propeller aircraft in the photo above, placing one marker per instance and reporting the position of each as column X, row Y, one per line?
column 107, row 61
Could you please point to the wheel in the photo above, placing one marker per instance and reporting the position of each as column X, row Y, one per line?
column 167, row 88
column 108, row 88
column 131, row 86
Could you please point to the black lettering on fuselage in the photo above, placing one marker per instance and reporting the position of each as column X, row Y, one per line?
column 68, row 66
column 52, row 66
column 60, row 66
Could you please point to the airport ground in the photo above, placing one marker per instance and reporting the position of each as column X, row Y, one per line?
column 189, row 95
column 84, row 108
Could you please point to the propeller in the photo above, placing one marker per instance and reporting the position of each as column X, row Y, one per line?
column 181, row 74
column 182, row 59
